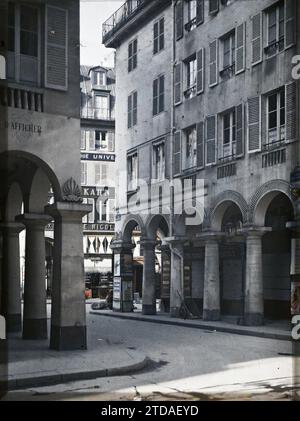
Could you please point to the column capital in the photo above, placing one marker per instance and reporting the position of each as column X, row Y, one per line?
column 254, row 231
column 34, row 220
column 176, row 240
column 71, row 211
column 119, row 246
column 210, row 236
column 146, row 243
column 12, row 227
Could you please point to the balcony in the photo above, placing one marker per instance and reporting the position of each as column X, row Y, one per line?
column 31, row 99
column 120, row 17
column 97, row 114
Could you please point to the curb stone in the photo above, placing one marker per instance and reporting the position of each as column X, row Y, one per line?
column 211, row 327
column 50, row 380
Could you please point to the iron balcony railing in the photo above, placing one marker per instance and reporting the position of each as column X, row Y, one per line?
column 120, row 17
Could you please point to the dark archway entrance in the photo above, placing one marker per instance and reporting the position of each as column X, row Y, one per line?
column 277, row 258
column 232, row 263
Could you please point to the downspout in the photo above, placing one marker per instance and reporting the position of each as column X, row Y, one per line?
column 173, row 57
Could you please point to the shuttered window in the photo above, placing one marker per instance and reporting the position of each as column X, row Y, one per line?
column 211, row 132
column 56, row 51
column 158, row 36
column 132, row 55
column 158, row 95
column 290, row 14
column 177, row 154
column 91, row 140
column 111, row 141
column 239, row 112
column 254, row 124
column 291, row 111
column 179, row 19
column 200, row 71
column 240, row 40
column 200, row 11
column 213, row 6
column 132, row 110
column 82, row 140
column 178, row 83
column 200, row 145
column 257, row 39
column 213, row 63
column 83, row 173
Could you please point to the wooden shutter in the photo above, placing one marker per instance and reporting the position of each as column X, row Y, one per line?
column 213, row 63
column 179, row 19
column 155, row 97
column 290, row 14
column 130, row 56
column 200, row 71
column 200, row 145
column 200, row 12
column 211, row 134
column 134, row 54
column 83, row 172
column 291, row 111
column 178, row 83
column 257, row 39
column 155, row 37
column 239, row 115
column 134, row 109
column 104, row 174
column 56, row 48
column 177, row 154
column 161, row 34
column 213, row 6
column 161, row 94
column 97, row 173
column 111, row 141
column 254, row 124
column 240, row 41
column 129, row 111
column 82, row 143
column 91, row 135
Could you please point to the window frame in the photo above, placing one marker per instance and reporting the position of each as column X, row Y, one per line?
column 159, row 175
column 279, row 128
column 189, row 131
column 190, row 89
column 130, row 185
column 232, row 134
column 275, row 44
column 160, row 38
column 159, row 97
column 132, row 58
column 131, row 110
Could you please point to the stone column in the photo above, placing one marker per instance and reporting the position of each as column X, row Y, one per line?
column 176, row 287
column 11, row 281
column 149, row 287
column 254, row 288
column 35, row 306
column 211, row 289
column 68, row 321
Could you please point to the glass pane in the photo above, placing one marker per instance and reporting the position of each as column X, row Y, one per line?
column 273, row 120
column 272, row 34
column 272, row 102
column 29, row 19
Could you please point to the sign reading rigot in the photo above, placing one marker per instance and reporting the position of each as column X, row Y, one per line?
column 2, row 67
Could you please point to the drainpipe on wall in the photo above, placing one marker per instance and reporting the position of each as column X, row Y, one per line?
column 173, row 58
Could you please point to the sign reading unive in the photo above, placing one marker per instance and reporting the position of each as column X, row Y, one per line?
column 98, row 157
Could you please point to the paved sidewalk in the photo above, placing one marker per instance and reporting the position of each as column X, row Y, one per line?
column 32, row 363
column 271, row 329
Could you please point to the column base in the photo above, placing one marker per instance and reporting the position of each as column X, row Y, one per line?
column 253, row 319
column 3, row 368
column 174, row 312
column 13, row 323
column 211, row 315
column 68, row 338
column 35, row 329
column 149, row 309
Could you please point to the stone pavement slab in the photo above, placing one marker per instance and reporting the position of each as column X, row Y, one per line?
column 271, row 329
column 32, row 363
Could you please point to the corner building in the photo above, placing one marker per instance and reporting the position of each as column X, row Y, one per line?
column 40, row 154
column 205, row 92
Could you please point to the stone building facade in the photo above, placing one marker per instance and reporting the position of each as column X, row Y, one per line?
column 97, row 173
column 205, row 92
column 40, row 152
